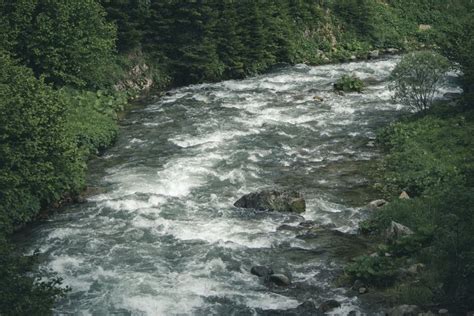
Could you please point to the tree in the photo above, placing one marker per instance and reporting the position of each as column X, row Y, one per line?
column 68, row 42
column 417, row 77
column 457, row 42
column 38, row 163
column 130, row 17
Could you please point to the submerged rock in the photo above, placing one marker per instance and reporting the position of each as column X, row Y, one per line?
column 363, row 290
column 404, row 310
column 396, row 231
column 306, row 308
column 271, row 200
column 317, row 98
column 329, row 305
column 357, row 285
column 280, row 279
column 261, row 271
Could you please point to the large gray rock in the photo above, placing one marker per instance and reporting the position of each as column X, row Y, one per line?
column 404, row 310
column 377, row 204
column 280, row 279
column 271, row 200
column 397, row 231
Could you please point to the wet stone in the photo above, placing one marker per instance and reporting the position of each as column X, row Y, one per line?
column 261, row 271
column 329, row 305
column 280, row 279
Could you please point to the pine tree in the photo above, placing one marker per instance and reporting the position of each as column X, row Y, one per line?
column 229, row 43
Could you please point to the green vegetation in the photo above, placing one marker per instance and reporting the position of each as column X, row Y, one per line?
column 417, row 77
column 21, row 293
column 375, row 270
column 349, row 83
column 64, row 60
column 68, row 42
column 430, row 157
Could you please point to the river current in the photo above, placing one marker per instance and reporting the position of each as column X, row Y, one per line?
column 163, row 237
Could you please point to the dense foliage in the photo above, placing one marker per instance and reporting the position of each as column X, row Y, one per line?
column 68, row 42
column 431, row 157
column 37, row 162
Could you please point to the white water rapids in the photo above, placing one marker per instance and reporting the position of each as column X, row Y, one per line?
column 164, row 237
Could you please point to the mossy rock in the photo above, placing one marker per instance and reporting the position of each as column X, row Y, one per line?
column 271, row 200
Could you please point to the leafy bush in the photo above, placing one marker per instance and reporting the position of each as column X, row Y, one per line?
column 349, row 83
column 417, row 77
column 426, row 153
column 456, row 39
column 91, row 118
column 372, row 270
column 431, row 156
column 38, row 163
column 21, row 293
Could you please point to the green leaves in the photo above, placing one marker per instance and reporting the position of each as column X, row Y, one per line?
column 68, row 42
column 417, row 78
column 426, row 153
column 349, row 83
column 373, row 270
column 36, row 159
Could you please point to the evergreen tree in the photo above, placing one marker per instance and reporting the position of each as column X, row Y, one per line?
column 130, row 16
column 229, row 43
column 66, row 41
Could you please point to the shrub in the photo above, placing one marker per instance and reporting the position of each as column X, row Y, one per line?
column 379, row 271
column 91, row 118
column 38, row 162
column 417, row 77
column 426, row 153
column 349, row 83
column 22, row 293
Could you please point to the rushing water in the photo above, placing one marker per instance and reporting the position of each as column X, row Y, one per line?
column 164, row 237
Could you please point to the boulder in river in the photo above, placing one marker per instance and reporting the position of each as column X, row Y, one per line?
column 280, row 279
column 261, row 271
column 271, row 200
column 397, row 231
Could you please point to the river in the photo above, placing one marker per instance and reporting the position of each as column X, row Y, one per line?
column 163, row 238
